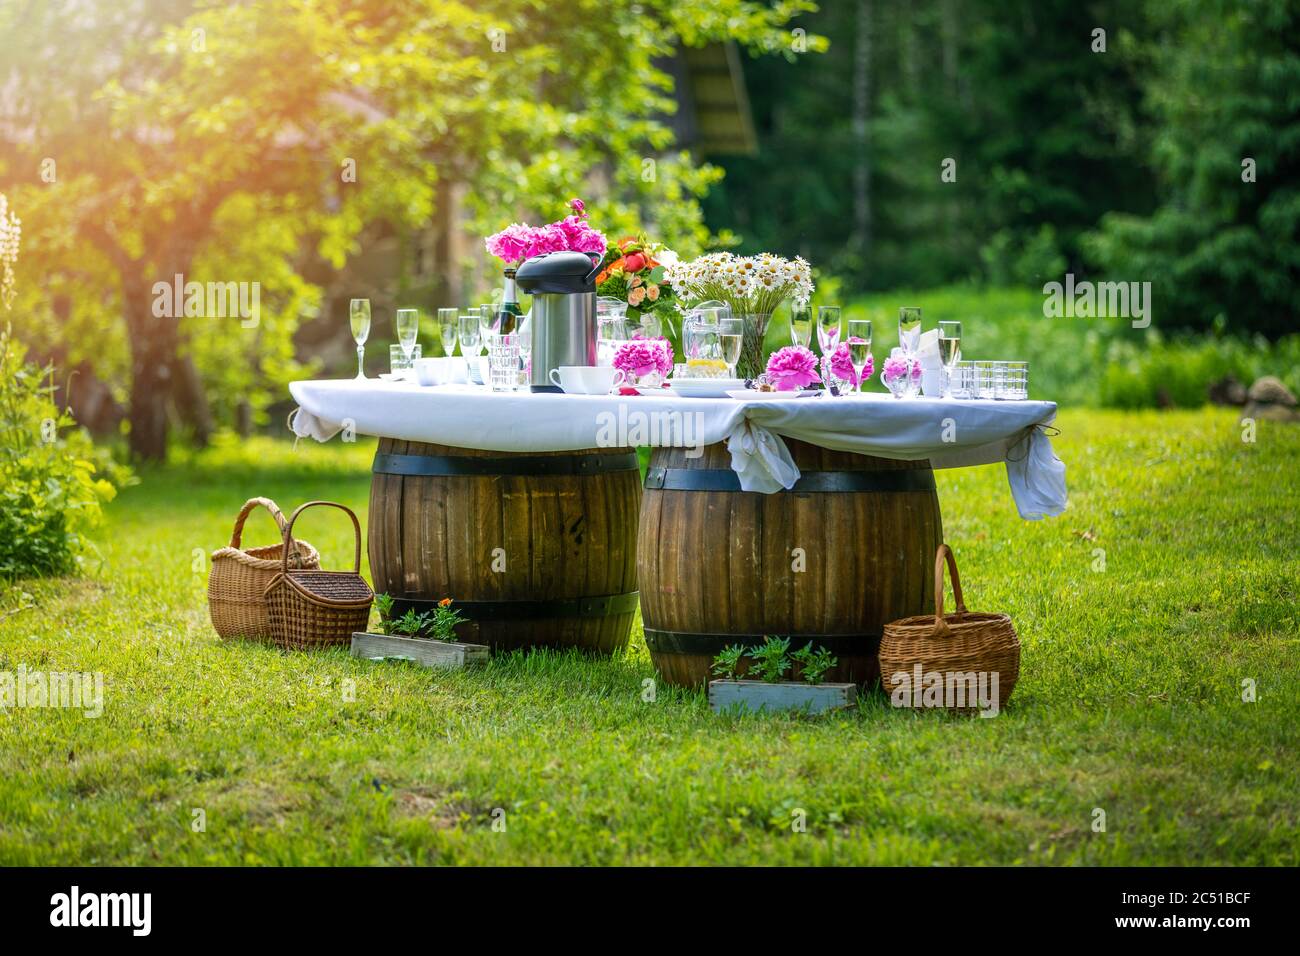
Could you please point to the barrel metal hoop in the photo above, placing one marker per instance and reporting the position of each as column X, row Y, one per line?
column 724, row 479
column 683, row 642
column 433, row 466
column 604, row 605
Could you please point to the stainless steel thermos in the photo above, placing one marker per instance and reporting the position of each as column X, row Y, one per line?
column 562, row 322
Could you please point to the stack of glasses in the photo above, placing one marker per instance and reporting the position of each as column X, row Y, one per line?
column 1007, row 381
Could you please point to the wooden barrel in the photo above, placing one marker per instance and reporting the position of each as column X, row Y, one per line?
column 535, row 549
column 848, row 549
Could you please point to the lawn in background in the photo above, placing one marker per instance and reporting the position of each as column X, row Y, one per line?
column 1171, row 579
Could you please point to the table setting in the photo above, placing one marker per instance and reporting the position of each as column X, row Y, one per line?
column 520, row 451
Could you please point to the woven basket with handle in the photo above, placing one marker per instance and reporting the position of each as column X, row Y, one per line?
column 963, row 642
column 314, row 608
column 237, row 584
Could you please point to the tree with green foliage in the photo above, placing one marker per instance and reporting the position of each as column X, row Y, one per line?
column 258, row 142
column 1221, row 115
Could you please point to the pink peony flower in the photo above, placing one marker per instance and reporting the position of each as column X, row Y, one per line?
column 643, row 356
column 896, row 367
column 792, row 367
column 520, row 241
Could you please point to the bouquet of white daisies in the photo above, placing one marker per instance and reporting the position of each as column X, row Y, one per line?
column 753, row 286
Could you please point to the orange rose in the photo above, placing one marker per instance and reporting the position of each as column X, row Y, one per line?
column 652, row 292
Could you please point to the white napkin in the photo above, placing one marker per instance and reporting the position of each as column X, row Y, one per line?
column 1036, row 476
column 928, row 350
column 760, row 459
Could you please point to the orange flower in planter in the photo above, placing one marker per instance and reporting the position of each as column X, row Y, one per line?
column 445, row 602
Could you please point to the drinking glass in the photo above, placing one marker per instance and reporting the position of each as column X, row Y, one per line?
column 801, row 323
column 359, row 319
column 488, row 321
column 468, row 334
column 524, row 334
column 611, row 329
column 399, row 363
column 963, row 380
column 731, row 333
column 859, row 346
column 1011, row 381
column 828, row 328
column 447, row 330
column 503, row 362
column 408, row 330
column 949, row 352
column 909, row 328
column 985, row 380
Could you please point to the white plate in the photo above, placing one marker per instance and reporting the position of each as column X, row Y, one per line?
column 705, row 387
column 751, row 395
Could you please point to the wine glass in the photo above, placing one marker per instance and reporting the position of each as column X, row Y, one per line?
column 828, row 328
column 859, row 346
column 359, row 319
column 731, row 334
column 949, row 352
column 801, row 323
column 909, row 328
column 469, row 334
column 408, row 330
column 487, row 322
column 447, row 319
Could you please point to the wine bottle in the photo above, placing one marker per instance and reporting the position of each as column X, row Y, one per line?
column 509, row 316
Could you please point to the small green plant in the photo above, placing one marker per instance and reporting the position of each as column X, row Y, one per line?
column 440, row 623
column 444, row 619
column 771, row 660
column 814, row 662
column 727, row 662
column 53, row 480
column 410, row 624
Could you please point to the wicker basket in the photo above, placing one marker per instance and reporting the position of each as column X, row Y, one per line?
column 313, row 608
column 237, row 584
column 962, row 642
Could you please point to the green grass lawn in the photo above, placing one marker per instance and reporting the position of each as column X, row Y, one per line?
column 1130, row 698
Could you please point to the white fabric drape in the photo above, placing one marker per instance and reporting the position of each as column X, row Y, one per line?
column 950, row 433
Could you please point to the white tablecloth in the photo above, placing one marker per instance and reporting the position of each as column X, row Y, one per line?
column 951, row 433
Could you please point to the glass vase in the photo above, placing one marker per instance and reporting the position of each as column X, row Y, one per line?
column 751, row 363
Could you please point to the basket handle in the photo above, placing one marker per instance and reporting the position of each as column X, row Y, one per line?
column 941, row 628
column 245, row 511
column 288, row 532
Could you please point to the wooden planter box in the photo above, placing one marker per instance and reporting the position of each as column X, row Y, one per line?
column 421, row 650
column 756, row 695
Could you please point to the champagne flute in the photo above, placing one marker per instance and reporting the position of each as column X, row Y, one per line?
column 828, row 328
column 447, row 330
column 408, row 331
column 801, row 322
column 359, row 319
column 859, row 347
column 949, row 352
column 731, row 333
column 487, row 323
column 909, row 328
column 469, row 334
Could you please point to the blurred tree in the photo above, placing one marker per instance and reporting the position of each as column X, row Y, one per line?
column 156, row 138
column 1222, row 120
column 1010, row 91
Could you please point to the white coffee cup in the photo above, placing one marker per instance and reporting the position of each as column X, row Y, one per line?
column 441, row 370
column 587, row 379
